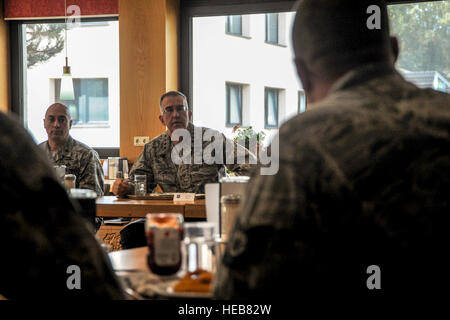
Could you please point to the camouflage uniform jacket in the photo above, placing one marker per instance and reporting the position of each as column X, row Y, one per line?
column 156, row 163
column 80, row 160
column 364, row 179
column 41, row 234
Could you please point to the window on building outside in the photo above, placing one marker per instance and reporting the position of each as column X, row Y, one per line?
column 234, row 25
column 272, row 28
column 90, row 105
column 271, row 108
column 301, row 101
column 233, row 104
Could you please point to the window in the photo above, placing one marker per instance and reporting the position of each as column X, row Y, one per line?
column 234, row 25
column 423, row 32
column 272, row 28
column 301, row 101
column 234, row 104
column 271, row 108
column 91, row 101
column 93, row 54
column 233, row 93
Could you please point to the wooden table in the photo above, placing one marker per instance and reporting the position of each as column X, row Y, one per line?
column 111, row 206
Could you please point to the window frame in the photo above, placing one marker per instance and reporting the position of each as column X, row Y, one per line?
column 18, row 69
column 201, row 8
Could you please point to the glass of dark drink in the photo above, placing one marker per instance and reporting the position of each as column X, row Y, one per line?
column 164, row 233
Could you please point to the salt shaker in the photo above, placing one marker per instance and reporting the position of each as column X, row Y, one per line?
column 69, row 181
column 230, row 205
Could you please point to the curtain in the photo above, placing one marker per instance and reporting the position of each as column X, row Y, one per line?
column 43, row 9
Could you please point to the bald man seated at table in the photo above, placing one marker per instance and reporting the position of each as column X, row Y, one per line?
column 79, row 159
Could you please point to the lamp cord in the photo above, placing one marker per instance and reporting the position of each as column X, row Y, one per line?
column 65, row 25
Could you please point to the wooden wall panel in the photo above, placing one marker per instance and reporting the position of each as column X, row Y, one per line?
column 146, row 30
column 4, row 64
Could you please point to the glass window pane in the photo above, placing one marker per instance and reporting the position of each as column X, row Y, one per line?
column 234, row 25
column 93, row 54
column 249, row 62
column 301, row 102
column 272, row 107
column 272, row 27
column 234, row 104
column 423, row 32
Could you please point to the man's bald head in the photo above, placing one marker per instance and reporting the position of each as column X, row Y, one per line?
column 332, row 36
column 59, row 106
column 57, row 123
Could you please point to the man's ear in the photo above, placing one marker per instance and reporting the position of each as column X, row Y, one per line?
column 160, row 117
column 395, row 48
column 190, row 116
column 70, row 124
column 304, row 75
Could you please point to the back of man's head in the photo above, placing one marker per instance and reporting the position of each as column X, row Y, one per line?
column 333, row 36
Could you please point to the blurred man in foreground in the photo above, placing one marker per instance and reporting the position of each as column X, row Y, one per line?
column 361, row 199
column 47, row 250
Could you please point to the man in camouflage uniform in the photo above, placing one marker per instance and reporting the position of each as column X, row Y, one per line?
column 40, row 233
column 364, row 177
column 156, row 160
column 79, row 159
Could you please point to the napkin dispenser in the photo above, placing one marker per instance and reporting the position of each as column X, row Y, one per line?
column 215, row 191
column 114, row 165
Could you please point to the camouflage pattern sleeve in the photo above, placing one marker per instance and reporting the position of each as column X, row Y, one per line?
column 91, row 173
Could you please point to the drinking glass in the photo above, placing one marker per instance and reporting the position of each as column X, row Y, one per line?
column 140, row 185
column 199, row 246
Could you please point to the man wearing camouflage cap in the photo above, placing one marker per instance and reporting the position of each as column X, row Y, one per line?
column 79, row 159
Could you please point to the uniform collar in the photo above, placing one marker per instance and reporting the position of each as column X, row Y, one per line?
column 361, row 75
column 166, row 142
column 65, row 150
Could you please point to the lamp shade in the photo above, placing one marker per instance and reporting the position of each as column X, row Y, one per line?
column 66, row 92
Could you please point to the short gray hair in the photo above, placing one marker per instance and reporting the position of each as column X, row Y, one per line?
column 173, row 94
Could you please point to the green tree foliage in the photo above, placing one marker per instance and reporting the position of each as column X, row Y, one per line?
column 423, row 30
column 43, row 42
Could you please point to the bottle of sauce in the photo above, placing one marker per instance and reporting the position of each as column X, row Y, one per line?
column 164, row 233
